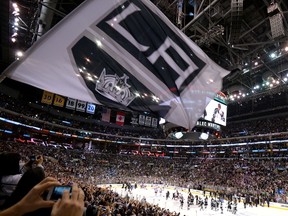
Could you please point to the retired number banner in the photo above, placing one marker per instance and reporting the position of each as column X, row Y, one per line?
column 71, row 103
column 47, row 97
column 90, row 108
column 81, row 106
column 59, row 101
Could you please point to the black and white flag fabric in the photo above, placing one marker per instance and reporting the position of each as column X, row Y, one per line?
column 123, row 53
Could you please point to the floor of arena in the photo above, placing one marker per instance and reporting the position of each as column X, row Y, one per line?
column 174, row 205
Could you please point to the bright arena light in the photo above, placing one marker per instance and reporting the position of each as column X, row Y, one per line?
column 162, row 121
column 19, row 53
column 178, row 135
column 99, row 43
column 273, row 55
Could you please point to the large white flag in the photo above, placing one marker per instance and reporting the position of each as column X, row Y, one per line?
column 123, row 53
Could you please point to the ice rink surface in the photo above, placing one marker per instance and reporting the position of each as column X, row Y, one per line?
column 174, row 205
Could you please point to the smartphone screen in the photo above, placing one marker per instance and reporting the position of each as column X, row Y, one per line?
column 32, row 158
column 56, row 192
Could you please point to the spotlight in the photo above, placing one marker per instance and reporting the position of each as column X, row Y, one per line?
column 273, row 55
column 19, row 53
column 15, row 13
column 99, row 43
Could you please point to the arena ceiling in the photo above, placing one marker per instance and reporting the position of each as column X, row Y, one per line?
column 240, row 40
column 238, row 37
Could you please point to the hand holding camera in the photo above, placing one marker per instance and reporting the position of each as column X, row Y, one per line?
column 70, row 205
column 33, row 200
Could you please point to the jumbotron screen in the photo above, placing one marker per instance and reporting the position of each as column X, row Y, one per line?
column 216, row 112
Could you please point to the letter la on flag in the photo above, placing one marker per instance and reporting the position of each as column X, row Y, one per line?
column 124, row 54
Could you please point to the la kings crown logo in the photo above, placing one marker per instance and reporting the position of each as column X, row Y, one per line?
column 115, row 88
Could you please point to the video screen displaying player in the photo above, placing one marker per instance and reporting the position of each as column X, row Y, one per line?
column 216, row 112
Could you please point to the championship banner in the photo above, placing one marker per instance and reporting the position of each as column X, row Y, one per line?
column 59, row 101
column 141, row 119
column 47, row 97
column 81, row 106
column 148, row 121
column 134, row 121
column 137, row 58
column 154, row 122
column 71, row 103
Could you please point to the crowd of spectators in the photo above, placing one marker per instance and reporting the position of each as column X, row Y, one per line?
column 229, row 173
column 256, row 127
column 114, row 136
column 87, row 170
column 57, row 117
column 258, row 177
column 223, row 148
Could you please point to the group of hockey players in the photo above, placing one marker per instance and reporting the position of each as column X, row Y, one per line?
column 214, row 202
column 203, row 203
column 129, row 186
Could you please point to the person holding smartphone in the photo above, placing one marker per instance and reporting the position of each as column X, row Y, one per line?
column 70, row 205
column 66, row 206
